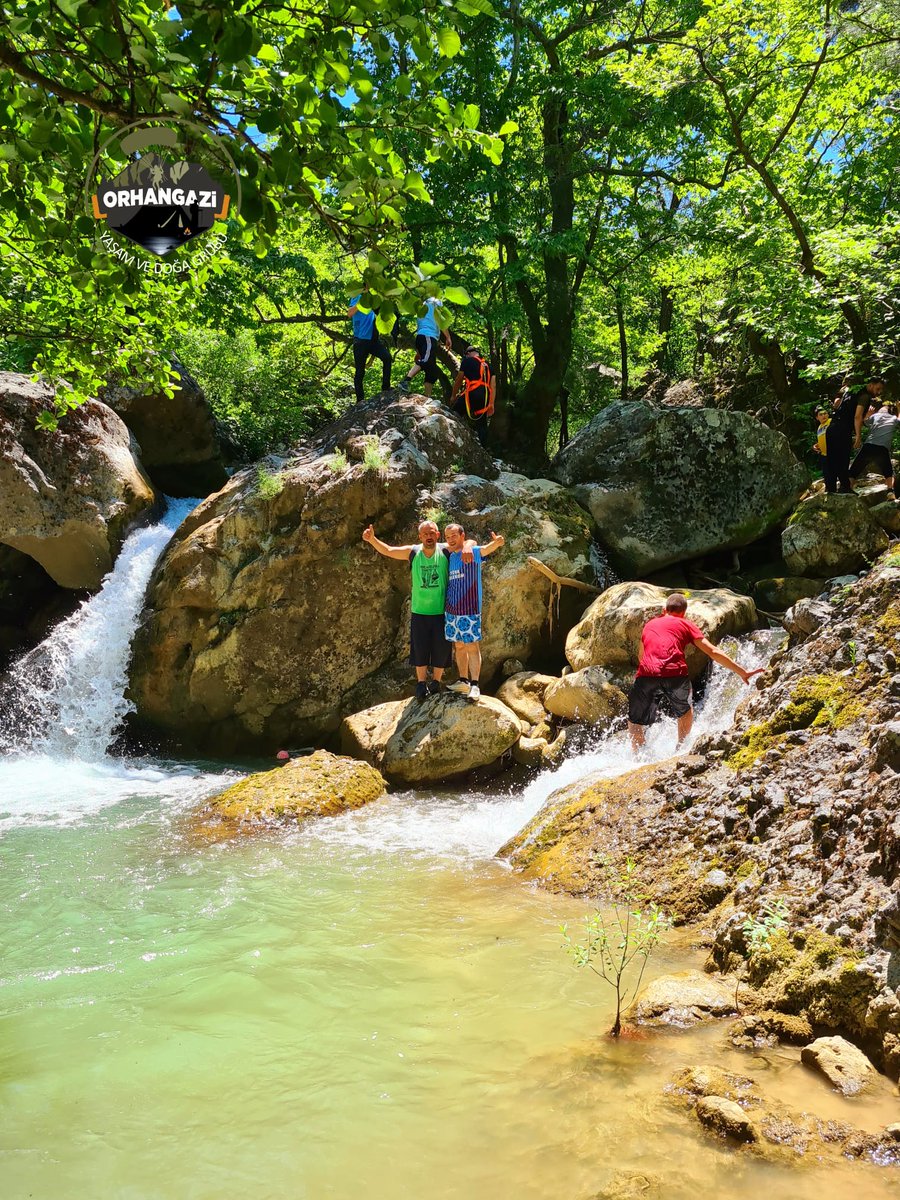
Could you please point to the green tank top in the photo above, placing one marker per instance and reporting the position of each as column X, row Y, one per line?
column 429, row 581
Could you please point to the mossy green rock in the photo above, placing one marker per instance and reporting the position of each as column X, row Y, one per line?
column 320, row 785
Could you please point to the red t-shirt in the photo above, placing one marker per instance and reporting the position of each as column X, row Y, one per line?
column 663, row 643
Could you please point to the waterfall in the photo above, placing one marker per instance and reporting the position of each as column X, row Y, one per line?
column 66, row 697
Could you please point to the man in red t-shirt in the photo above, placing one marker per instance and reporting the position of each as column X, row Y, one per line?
column 663, row 671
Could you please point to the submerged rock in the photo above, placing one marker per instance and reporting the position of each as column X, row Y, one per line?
column 68, row 498
column 844, row 1066
column 667, row 485
column 830, row 534
column 609, row 633
column 417, row 742
column 685, row 998
column 726, row 1118
column 319, row 785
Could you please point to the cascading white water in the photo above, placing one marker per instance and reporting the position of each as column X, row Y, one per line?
column 66, row 697
column 475, row 825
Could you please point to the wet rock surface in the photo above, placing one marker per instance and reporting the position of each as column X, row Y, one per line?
column 844, row 1066
column 796, row 803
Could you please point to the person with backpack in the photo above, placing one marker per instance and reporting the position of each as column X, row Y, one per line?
column 473, row 392
column 845, row 430
column 428, row 335
column 366, row 342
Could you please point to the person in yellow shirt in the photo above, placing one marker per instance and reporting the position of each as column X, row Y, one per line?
column 824, row 418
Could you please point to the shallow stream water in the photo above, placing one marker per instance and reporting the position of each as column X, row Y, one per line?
column 368, row 1006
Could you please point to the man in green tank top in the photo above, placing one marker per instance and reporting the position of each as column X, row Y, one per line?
column 429, row 563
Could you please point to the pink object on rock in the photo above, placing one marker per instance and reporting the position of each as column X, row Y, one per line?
column 283, row 755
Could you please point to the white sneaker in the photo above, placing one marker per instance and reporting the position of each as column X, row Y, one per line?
column 461, row 687
column 474, row 691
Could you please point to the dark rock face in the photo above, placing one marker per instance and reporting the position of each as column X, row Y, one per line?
column 667, row 485
column 830, row 534
column 30, row 603
column 798, row 802
column 179, row 445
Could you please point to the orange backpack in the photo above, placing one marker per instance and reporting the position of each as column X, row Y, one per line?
column 483, row 380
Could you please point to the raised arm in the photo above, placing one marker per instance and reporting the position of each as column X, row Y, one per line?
column 723, row 660
column 398, row 552
column 497, row 540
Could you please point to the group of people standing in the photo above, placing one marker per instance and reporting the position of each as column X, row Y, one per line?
column 445, row 606
column 474, row 386
column 840, row 433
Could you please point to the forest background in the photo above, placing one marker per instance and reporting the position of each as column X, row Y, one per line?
column 600, row 192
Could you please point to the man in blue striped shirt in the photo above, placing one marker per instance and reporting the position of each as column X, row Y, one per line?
column 462, row 608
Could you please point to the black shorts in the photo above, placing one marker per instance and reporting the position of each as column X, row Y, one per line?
column 426, row 356
column 648, row 690
column 427, row 645
column 878, row 456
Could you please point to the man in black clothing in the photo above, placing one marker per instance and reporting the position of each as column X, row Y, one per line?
column 366, row 342
column 845, row 429
column 473, row 392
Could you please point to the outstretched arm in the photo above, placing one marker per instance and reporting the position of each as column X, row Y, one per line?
column 398, row 552
column 497, row 540
column 723, row 660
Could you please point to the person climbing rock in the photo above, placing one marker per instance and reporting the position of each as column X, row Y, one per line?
column 366, row 342
column 462, row 621
column 662, row 673
column 844, row 429
column 428, row 334
column 875, row 452
column 429, row 562
column 472, row 397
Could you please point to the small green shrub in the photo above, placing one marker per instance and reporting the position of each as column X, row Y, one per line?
column 436, row 513
column 268, row 484
column 374, row 457
column 337, row 462
column 614, row 940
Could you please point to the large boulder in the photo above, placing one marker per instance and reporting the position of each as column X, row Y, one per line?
column 69, row 497
column 414, row 742
column 830, row 535
column 268, row 617
column 588, row 696
column 665, row 485
column 320, row 785
column 180, row 448
column 609, row 633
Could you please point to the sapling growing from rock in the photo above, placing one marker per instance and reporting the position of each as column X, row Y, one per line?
column 268, row 485
column 615, row 938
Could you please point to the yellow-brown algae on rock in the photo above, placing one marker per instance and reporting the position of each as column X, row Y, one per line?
column 320, row 785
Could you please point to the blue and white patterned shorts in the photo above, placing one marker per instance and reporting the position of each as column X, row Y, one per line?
column 462, row 629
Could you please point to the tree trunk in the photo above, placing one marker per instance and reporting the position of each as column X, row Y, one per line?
column 664, row 326
column 623, row 344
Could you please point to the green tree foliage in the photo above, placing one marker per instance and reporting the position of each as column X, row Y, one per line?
column 293, row 90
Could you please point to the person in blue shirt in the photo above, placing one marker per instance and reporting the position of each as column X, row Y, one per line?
column 428, row 334
column 366, row 342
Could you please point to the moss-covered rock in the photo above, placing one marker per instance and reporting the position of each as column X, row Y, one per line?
column 320, row 785
column 830, row 535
